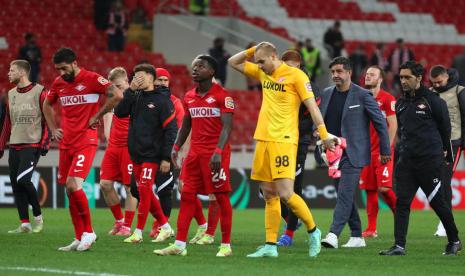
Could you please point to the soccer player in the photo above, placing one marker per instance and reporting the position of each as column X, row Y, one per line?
column 29, row 136
column 294, row 59
column 377, row 177
column 152, row 131
column 277, row 134
column 116, row 163
column 79, row 92
column 209, row 113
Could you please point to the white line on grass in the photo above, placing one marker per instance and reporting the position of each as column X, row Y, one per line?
column 58, row 271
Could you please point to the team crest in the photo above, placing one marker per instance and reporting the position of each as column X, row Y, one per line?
column 281, row 79
column 210, row 100
column 421, row 106
column 229, row 102
column 102, row 80
column 308, row 85
column 80, row 87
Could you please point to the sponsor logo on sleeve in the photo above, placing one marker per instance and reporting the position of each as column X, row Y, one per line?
column 308, row 86
column 102, row 80
column 393, row 106
column 229, row 102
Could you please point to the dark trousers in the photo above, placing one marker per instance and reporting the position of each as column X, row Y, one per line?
column 410, row 177
column 22, row 164
column 164, row 190
column 116, row 42
column 448, row 172
column 292, row 219
column 346, row 209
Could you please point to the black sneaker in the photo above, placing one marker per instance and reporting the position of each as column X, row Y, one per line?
column 452, row 248
column 393, row 251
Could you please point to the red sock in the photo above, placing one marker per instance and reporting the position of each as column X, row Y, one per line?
column 25, row 221
column 226, row 216
column 199, row 217
column 213, row 217
column 128, row 217
column 145, row 191
column 390, row 198
column 186, row 213
column 83, row 207
column 116, row 210
column 156, row 210
column 75, row 217
column 290, row 233
column 372, row 209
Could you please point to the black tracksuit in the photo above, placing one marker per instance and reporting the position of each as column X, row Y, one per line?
column 152, row 127
column 424, row 130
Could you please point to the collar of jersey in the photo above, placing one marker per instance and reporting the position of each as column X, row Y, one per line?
column 279, row 70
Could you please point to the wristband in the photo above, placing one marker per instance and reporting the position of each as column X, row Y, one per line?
column 249, row 52
column 176, row 147
column 218, row 151
column 323, row 132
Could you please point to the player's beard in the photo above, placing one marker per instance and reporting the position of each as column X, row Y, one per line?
column 69, row 77
column 15, row 81
column 370, row 86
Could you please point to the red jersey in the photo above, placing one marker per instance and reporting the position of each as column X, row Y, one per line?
column 387, row 104
column 205, row 112
column 178, row 109
column 79, row 102
column 119, row 132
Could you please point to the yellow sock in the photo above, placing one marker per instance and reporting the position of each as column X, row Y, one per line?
column 301, row 210
column 272, row 219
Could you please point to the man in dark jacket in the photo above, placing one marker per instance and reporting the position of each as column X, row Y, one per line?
column 445, row 82
column 152, row 131
column 424, row 130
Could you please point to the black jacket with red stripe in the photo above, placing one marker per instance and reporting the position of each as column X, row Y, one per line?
column 152, row 127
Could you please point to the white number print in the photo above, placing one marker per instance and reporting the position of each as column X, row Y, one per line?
column 130, row 169
column 219, row 176
column 81, row 159
column 386, row 172
column 147, row 173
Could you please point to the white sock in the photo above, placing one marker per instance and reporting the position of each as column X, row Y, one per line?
column 180, row 244
column 205, row 225
column 138, row 232
column 226, row 245
column 166, row 226
column 120, row 220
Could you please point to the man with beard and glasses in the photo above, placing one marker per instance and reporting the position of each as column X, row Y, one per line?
column 24, row 126
column 377, row 177
column 348, row 110
column 79, row 92
column 424, row 131
column 446, row 83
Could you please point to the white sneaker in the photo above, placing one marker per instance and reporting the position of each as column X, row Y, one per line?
column 441, row 231
column 330, row 241
column 87, row 240
column 71, row 247
column 355, row 242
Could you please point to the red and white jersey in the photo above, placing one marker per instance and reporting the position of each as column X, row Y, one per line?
column 387, row 104
column 178, row 109
column 79, row 102
column 119, row 132
column 205, row 112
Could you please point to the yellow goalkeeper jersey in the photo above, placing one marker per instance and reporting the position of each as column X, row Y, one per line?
column 283, row 92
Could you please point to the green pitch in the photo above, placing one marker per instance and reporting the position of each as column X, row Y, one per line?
column 37, row 252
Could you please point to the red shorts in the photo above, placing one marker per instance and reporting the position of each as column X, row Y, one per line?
column 376, row 175
column 75, row 162
column 198, row 177
column 116, row 165
column 145, row 173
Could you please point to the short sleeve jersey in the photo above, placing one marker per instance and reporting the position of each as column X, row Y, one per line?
column 387, row 104
column 205, row 112
column 80, row 100
column 119, row 132
column 283, row 91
